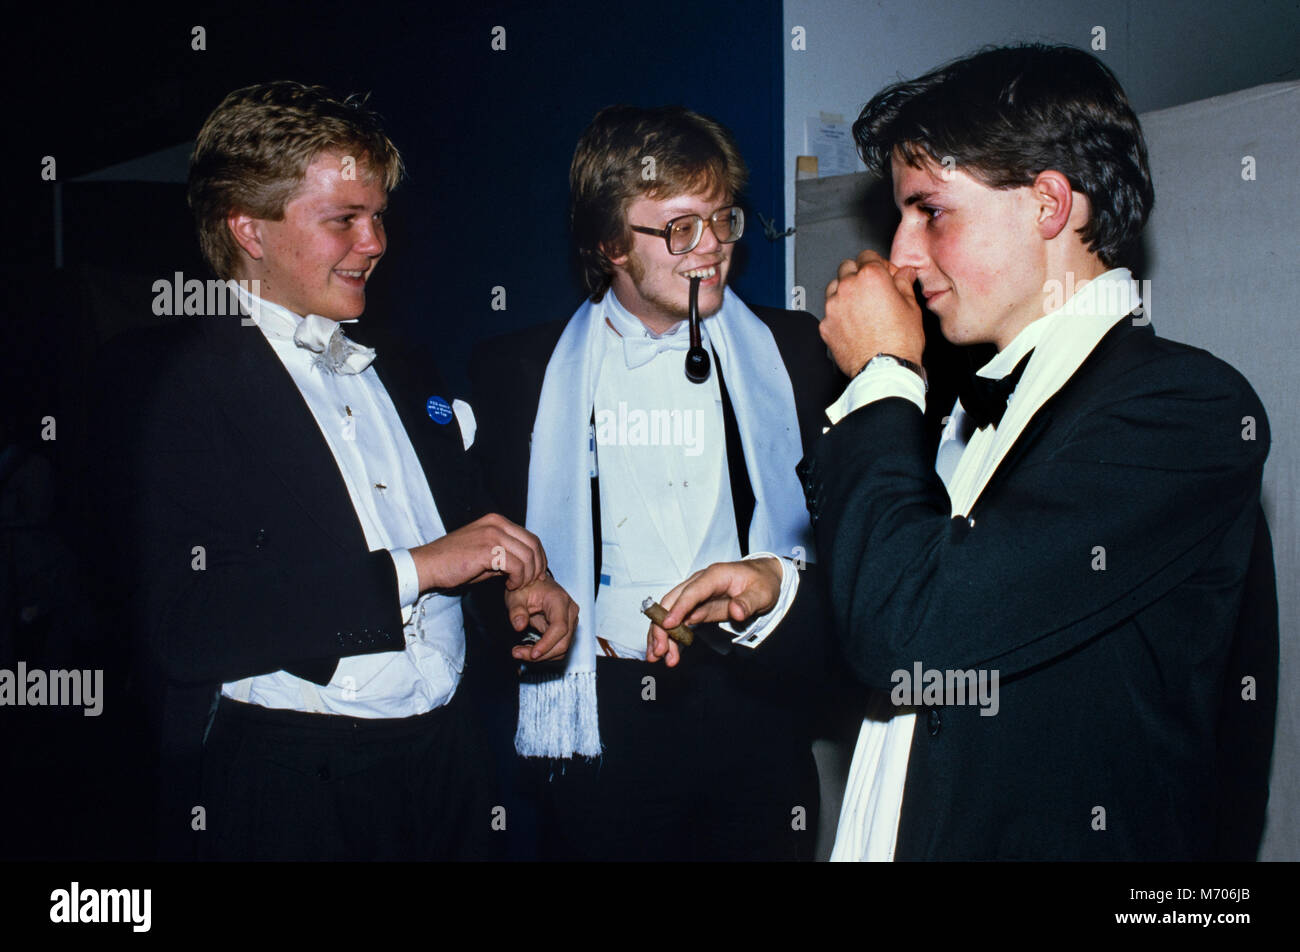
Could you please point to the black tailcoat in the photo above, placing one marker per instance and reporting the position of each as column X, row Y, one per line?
column 1122, row 731
column 240, row 552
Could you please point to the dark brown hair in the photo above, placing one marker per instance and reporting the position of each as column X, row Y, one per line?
column 1007, row 113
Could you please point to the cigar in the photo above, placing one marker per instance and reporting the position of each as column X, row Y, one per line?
column 682, row 634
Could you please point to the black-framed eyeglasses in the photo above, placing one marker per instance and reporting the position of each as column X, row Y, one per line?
column 683, row 233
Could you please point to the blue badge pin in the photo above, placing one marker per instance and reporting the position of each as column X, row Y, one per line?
column 439, row 410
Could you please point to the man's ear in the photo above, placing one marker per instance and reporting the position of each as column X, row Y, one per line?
column 618, row 261
column 1054, row 201
column 247, row 232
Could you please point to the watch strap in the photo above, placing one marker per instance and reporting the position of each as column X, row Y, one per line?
column 902, row 362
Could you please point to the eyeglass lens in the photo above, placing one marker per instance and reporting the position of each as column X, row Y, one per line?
column 684, row 233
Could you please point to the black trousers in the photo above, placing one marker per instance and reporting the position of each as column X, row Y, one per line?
column 283, row 785
column 706, row 762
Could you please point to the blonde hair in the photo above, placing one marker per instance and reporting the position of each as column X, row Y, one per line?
column 253, row 152
column 690, row 153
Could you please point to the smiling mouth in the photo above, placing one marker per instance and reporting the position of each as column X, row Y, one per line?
column 703, row 274
column 356, row 278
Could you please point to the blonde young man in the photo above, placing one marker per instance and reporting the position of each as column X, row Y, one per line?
column 311, row 543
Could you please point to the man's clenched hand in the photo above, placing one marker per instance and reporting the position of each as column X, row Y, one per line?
column 871, row 309
column 489, row 546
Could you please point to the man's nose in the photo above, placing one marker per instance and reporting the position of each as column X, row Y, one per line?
column 709, row 243
column 371, row 239
column 908, row 249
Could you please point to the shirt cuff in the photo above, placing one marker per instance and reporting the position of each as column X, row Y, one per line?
column 760, row 627
column 408, row 579
column 877, row 382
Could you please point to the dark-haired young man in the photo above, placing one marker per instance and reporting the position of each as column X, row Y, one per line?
column 1074, row 620
column 643, row 483
column 305, row 528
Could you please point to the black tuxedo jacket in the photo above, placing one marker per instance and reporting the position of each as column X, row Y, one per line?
column 241, row 551
column 506, row 376
column 1122, row 731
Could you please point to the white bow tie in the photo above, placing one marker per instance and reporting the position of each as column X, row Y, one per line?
column 336, row 352
column 641, row 349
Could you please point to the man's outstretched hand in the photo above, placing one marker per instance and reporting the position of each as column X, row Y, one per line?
column 725, row 591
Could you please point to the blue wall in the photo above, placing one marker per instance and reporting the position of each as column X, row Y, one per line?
column 489, row 136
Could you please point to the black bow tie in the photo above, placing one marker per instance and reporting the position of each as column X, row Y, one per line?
column 985, row 399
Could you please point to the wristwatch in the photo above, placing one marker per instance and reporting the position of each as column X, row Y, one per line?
column 911, row 365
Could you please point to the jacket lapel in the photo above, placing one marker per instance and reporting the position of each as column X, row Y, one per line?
column 1039, row 425
column 268, row 411
column 440, row 447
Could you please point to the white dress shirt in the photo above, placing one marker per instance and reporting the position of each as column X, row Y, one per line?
column 1061, row 341
column 666, row 508
column 395, row 507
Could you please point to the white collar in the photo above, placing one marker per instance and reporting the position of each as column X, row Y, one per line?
column 627, row 324
column 276, row 321
column 332, row 351
column 1107, row 297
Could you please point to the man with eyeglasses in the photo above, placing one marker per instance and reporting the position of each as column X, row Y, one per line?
column 644, row 483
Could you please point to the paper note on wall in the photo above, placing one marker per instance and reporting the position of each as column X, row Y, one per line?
column 830, row 138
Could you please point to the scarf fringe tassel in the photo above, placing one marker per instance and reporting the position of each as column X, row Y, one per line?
column 557, row 718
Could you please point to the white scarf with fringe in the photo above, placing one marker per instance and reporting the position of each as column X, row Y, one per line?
column 558, row 717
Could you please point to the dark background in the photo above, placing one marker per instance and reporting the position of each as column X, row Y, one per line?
column 487, row 136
